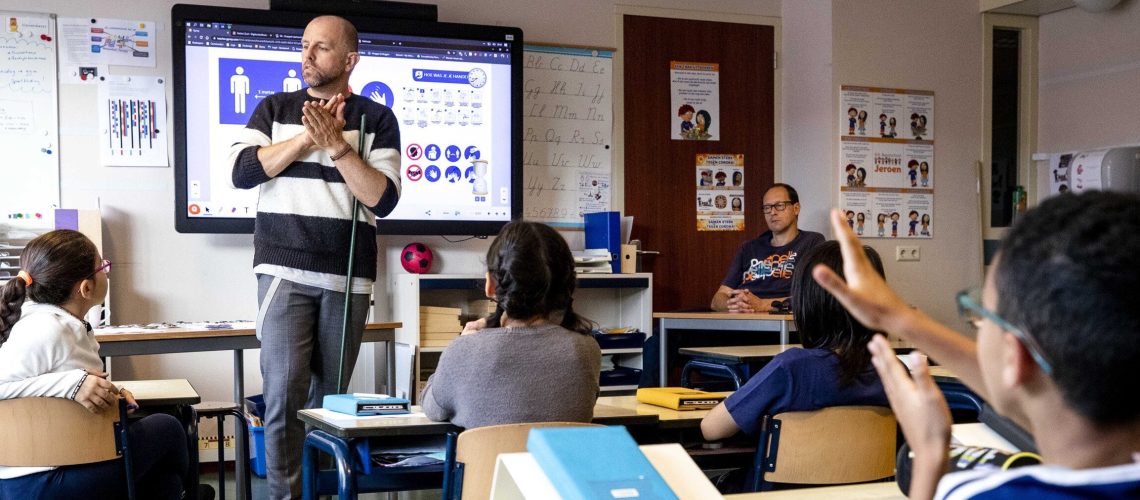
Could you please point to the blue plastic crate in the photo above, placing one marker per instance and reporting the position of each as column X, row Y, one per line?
column 257, row 461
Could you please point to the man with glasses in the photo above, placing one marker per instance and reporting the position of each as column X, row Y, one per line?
column 761, row 273
column 1056, row 350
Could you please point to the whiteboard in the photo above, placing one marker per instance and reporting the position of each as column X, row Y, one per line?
column 29, row 113
column 567, row 133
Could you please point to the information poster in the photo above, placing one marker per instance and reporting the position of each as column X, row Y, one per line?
column 695, row 91
column 720, row 192
column 886, row 161
column 132, row 114
column 89, row 43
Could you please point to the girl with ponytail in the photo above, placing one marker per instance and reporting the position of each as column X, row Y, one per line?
column 533, row 359
column 47, row 349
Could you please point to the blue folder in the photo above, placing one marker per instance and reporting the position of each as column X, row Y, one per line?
column 594, row 463
column 365, row 404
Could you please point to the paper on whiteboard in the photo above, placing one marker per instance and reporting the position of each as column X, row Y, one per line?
column 132, row 117
column 86, row 41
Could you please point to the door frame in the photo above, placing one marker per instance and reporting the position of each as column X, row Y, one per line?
column 617, row 180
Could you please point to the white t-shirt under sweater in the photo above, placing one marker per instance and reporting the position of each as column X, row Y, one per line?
column 48, row 354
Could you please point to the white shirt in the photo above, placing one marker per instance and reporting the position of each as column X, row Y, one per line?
column 48, row 354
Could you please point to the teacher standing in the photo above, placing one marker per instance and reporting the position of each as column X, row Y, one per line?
column 298, row 148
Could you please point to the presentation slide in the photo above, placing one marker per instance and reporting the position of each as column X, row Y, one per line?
column 452, row 98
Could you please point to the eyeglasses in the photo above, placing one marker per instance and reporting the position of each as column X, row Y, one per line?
column 970, row 308
column 105, row 266
column 779, row 206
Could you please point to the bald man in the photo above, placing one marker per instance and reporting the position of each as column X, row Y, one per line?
column 299, row 149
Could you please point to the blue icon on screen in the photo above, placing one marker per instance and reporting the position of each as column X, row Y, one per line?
column 452, row 153
column 432, row 173
column 432, row 152
column 452, row 174
column 471, row 153
column 469, row 174
column 378, row 92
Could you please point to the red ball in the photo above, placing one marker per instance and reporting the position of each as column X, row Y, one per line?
column 416, row 258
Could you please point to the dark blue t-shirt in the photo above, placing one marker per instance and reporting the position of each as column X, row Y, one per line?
column 765, row 270
column 801, row 380
column 1042, row 482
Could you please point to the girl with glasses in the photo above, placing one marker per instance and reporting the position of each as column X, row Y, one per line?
column 47, row 349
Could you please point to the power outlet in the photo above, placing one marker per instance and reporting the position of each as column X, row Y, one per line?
column 907, row 253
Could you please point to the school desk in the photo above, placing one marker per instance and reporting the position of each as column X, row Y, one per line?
column 869, row 491
column 119, row 342
column 718, row 321
column 346, row 437
column 167, row 392
column 667, row 418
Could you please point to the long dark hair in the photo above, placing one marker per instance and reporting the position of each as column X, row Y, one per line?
column 533, row 272
column 56, row 261
column 822, row 321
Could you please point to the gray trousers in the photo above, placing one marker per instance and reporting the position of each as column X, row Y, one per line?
column 300, row 331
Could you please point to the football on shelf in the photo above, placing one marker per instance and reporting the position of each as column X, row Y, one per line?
column 416, row 258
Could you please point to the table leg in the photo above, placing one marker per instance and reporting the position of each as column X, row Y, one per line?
column 664, row 344
column 783, row 332
column 240, row 465
column 390, row 383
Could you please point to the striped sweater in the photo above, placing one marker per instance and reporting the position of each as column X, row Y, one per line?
column 304, row 219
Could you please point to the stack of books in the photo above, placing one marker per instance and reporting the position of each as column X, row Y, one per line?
column 593, row 261
column 439, row 325
column 480, row 308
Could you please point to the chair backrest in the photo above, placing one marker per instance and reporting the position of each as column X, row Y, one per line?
column 478, row 448
column 837, row 445
column 54, row 432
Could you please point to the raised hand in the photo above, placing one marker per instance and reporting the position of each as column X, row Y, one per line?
column 864, row 293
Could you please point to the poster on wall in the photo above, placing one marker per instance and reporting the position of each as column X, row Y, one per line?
column 886, row 161
column 90, row 43
column 720, row 192
column 132, row 111
column 695, row 91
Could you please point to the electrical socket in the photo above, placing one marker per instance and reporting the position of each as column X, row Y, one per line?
column 907, row 253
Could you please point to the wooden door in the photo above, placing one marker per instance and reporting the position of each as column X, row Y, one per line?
column 660, row 173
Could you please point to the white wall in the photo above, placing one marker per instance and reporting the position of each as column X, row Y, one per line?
column 927, row 45
column 1089, row 66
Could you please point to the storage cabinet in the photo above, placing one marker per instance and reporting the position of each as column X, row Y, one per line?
column 609, row 300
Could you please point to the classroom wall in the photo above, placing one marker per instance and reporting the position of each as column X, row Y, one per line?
column 161, row 275
column 1089, row 70
column 927, row 45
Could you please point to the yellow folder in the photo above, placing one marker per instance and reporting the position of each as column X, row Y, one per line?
column 680, row 398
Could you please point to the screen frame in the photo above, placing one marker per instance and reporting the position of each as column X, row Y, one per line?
column 183, row 13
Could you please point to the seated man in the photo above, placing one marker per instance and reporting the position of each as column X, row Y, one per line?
column 1058, row 343
column 761, row 272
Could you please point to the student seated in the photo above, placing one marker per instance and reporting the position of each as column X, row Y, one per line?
column 833, row 368
column 534, row 359
column 1057, row 346
column 48, row 350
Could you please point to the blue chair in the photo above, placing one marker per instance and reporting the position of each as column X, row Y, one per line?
column 837, row 445
column 354, row 472
column 71, row 436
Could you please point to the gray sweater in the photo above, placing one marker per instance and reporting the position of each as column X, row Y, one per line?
column 512, row 375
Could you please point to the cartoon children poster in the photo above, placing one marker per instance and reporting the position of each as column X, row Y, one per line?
column 695, row 110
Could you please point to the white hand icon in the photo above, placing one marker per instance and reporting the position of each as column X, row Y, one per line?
column 378, row 97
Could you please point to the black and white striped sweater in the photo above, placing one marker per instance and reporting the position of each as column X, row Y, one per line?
column 304, row 218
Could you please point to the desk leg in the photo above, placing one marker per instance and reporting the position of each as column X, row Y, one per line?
column 390, row 383
column 664, row 381
column 240, row 465
column 315, row 442
column 783, row 332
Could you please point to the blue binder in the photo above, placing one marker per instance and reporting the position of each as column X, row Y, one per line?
column 603, row 230
column 595, row 463
column 365, row 404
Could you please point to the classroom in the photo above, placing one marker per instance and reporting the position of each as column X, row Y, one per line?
column 1076, row 72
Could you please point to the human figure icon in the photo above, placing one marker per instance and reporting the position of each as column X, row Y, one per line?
column 291, row 83
column 239, row 87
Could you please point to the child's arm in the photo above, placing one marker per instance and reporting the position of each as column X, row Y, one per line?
column 867, row 297
column 922, row 413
